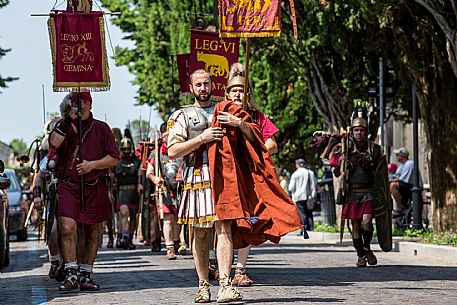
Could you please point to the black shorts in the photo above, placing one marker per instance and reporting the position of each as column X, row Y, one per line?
column 405, row 192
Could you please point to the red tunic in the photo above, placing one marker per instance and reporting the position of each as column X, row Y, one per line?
column 244, row 185
column 98, row 142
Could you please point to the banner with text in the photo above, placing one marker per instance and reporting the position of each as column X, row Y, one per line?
column 250, row 18
column 78, row 51
column 208, row 51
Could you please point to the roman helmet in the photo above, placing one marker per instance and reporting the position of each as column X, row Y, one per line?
column 236, row 77
column 126, row 146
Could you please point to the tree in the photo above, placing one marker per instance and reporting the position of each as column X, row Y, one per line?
column 4, row 80
column 425, row 36
column 19, row 147
column 311, row 83
column 160, row 30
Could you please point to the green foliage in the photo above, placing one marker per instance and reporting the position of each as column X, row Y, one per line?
column 159, row 30
column 4, row 80
column 429, row 237
column 19, row 147
column 320, row 227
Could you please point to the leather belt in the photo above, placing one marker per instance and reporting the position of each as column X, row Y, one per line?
column 127, row 187
column 360, row 188
column 88, row 183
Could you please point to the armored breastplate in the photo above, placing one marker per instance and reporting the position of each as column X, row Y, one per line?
column 128, row 174
column 361, row 169
column 199, row 120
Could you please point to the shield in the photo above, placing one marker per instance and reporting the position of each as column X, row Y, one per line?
column 383, row 207
column 146, row 211
column 51, row 208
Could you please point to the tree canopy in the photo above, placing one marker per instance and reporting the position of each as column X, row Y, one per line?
column 4, row 80
column 311, row 83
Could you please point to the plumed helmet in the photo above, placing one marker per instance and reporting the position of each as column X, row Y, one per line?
column 126, row 143
column 359, row 117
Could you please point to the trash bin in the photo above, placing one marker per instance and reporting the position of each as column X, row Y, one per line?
column 327, row 201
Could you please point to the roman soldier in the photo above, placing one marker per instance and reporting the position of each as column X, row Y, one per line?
column 166, row 183
column 357, row 163
column 128, row 179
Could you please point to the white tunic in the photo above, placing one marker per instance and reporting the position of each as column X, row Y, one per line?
column 196, row 205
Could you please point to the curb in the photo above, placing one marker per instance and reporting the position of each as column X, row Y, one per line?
column 426, row 250
column 403, row 244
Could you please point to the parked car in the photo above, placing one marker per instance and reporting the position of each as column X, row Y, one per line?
column 4, row 236
column 17, row 208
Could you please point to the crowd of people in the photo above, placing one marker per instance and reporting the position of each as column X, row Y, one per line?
column 208, row 187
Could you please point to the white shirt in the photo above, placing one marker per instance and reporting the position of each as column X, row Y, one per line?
column 298, row 184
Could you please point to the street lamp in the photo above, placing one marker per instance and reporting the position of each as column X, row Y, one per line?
column 416, row 190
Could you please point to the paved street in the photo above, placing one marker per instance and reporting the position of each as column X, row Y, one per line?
column 294, row 272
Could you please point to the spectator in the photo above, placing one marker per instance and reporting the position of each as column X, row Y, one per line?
column 302, row 187
column 402, row 186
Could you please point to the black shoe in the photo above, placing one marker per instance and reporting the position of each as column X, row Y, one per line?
column 362, row 261
column 53, row 271
column 110, row 243
column 124, row 243
column 156, row 246
column 371, row 258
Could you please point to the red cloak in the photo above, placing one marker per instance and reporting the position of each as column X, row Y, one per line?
column 244, row 185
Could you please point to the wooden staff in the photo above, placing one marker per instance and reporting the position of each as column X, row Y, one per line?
column 80, row 152
column 246, row 71
column 158, row 188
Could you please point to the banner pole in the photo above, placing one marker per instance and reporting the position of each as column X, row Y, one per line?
column 246, row 76
column 80, row 152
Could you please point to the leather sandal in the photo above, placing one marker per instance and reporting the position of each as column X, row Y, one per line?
column 203, row 294
column 86, row 283
column 71, row 281
column 241, row 278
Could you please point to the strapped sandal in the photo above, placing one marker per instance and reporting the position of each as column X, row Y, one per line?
column 227, row 293
column 203, row 294
column 241, row 278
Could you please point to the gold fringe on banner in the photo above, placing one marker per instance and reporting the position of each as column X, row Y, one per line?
column 248, row 34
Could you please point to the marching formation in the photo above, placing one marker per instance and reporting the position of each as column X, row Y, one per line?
column 205, row 184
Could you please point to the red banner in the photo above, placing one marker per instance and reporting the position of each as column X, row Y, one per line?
column 215, row 55
column 183, row 70
column 78, row 51
column 250, row 18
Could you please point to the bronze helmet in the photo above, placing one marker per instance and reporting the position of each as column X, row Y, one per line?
column 359, row 122
column 237, row 80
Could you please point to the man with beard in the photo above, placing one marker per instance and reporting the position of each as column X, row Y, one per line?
column 99, row 153
column 363, row 158
column 189, row 132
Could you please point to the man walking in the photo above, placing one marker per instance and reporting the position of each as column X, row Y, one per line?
column 189, row 132
column 99, row 153
column 363, row 158
column 302, row 186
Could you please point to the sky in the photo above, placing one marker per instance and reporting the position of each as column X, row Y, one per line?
column 21, row 104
